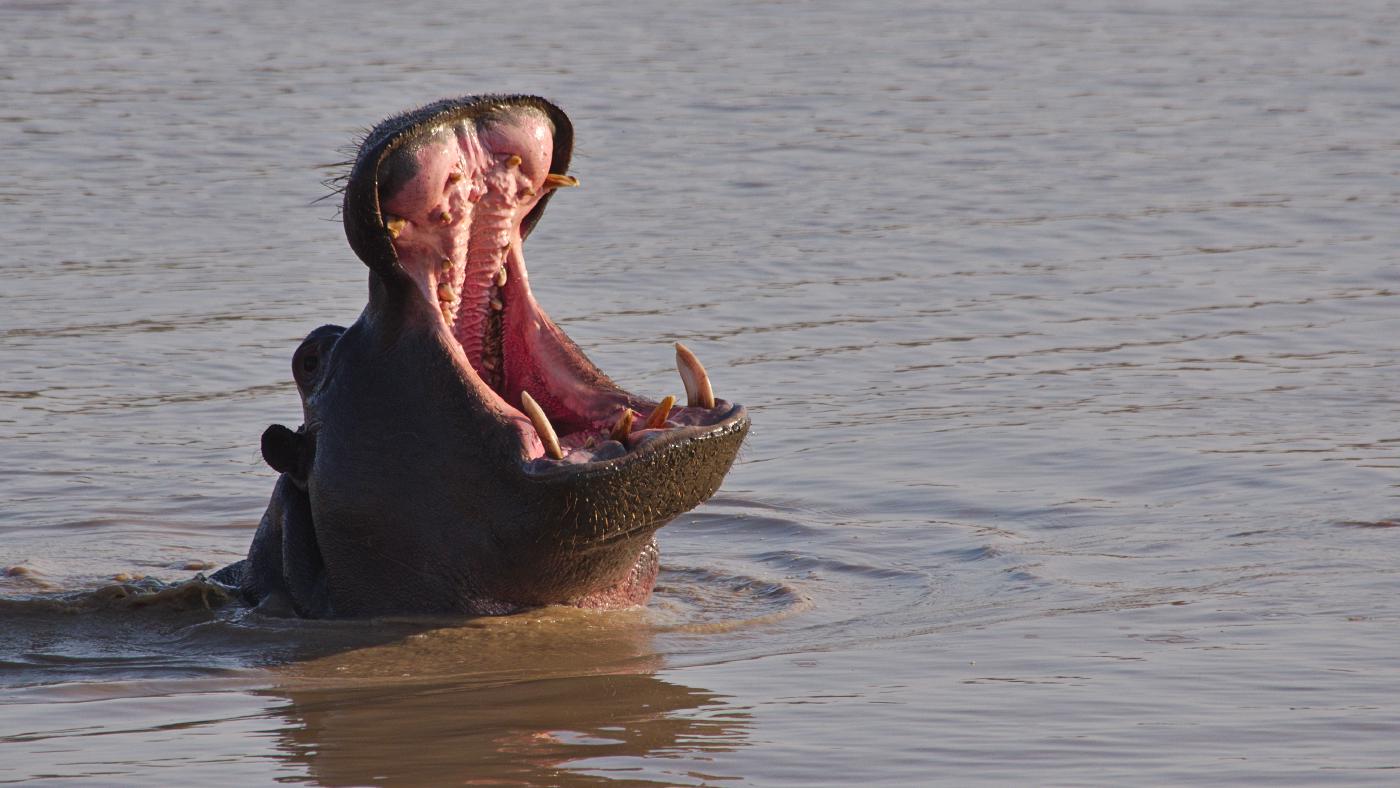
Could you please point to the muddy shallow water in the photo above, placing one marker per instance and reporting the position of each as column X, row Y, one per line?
column 1068, row 331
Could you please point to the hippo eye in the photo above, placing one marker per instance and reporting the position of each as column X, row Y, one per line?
column 309, row 362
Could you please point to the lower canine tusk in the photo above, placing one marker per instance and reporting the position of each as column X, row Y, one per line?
column 542, row 425
column 556, row 181
column 697, row 384
column 658, row 416
column 623, row 427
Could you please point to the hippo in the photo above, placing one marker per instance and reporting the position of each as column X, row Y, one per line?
column 458, row 453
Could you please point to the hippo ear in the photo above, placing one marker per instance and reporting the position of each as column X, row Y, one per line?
column 284, row 450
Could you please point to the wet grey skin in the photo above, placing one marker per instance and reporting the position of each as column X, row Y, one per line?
column 419, row 482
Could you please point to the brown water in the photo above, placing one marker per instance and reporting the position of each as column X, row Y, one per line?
column 1068, row 331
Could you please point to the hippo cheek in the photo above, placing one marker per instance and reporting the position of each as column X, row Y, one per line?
column 468, row 457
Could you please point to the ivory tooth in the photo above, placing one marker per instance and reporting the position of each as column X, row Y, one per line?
column 698, row 393
column 394, row 224
column 658, row 416
column 542, row 425
column 501, row 277
column 556, row 181
column 513, row 161
column 623, row 427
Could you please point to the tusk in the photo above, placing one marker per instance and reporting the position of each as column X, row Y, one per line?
column 623, row 427
column 697, row 384
column 394, row 224
column 658, row 416
column 542, row 425
column 555, row 180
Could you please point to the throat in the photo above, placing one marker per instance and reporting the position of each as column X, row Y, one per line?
column 489, row 360
column 474, row 307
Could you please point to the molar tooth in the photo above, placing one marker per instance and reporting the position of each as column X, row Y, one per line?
column 542, row 425
column 556, row 181
column 501, row 277
column 513, row 161
column 623, row 427
column 658, row 416
column 697, row 384
column 394, row 224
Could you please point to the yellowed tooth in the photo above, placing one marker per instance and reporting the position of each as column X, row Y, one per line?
column 698, row 393
column 623, row 427
column 454, row 177
column 446, row 265
column 445, row 217
column 556, row 181
column 501, row 277
column 658, row 416
column 542, row 425
column 497, row 304
column 394, row 224
column 444, row 292
column 513, row 161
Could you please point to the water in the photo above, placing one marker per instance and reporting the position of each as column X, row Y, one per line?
column 1067, row 329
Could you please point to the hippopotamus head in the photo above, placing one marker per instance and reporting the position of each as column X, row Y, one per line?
column 459, row 453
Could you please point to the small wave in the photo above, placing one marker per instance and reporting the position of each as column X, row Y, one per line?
column 197, row 593
column 692, row 599
column 1369, row 524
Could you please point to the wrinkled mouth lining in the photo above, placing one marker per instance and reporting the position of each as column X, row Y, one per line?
column 453, row 194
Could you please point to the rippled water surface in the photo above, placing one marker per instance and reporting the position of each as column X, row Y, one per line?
column 1068, row 331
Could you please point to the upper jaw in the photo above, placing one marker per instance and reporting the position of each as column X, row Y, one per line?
column 363, row 216
column 438, row 205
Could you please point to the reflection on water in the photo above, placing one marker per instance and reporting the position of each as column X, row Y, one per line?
column 524, row 698
column 519, row 699
column 533, row 733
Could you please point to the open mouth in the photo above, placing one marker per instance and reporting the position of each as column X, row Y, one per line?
column 457, row 192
